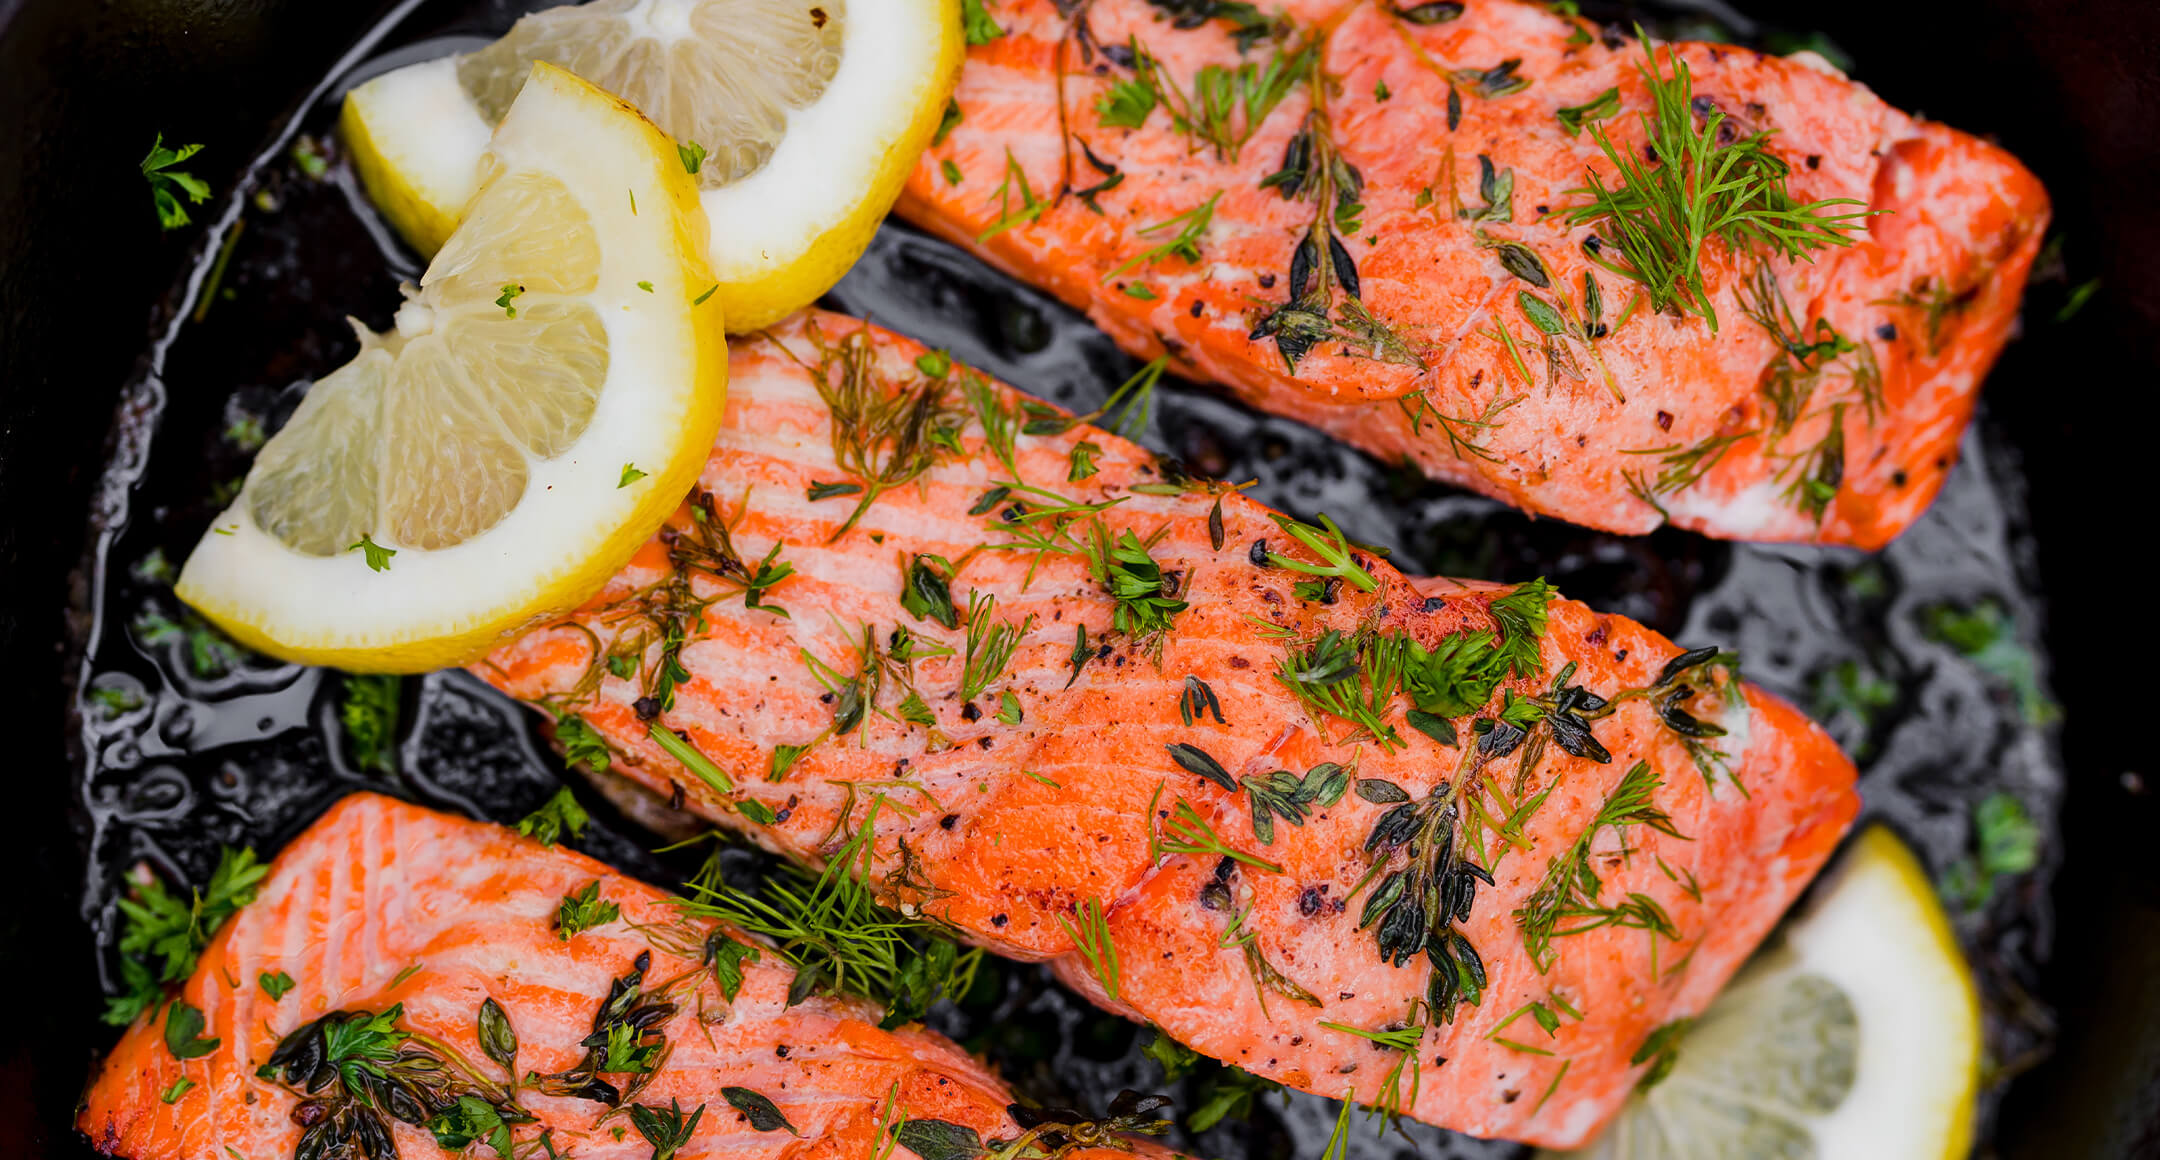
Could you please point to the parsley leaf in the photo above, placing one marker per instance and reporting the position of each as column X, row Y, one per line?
column 582, row 910
column 169, row 185
column 162, row 930
column 559, row 817
column 978, row 24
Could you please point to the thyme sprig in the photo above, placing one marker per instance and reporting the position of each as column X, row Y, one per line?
column 1426, row 885
column 1702, row 182
column 356, row 1071
column 1325, row 301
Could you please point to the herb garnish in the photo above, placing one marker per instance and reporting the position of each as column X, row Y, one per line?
column 1225, row 106
column 163, row 936
column 168, row 185
column 838, row 936
column 666, row 1129
column 1568, row 894
column 582, row 910
column 369, row 713
column 355, row 1071
column 1700, row 187
column 1090, row 932
column 1416, row 905
column 990, row 644
column 626, row 1039
column 762, row 1113
column 884, row 438
column 557, row 818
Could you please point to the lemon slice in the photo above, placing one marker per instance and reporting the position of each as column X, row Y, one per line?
column 810, row 113
column 1856, row 1037
column 544, row 400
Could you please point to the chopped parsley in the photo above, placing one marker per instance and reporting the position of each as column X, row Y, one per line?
column 168, row 185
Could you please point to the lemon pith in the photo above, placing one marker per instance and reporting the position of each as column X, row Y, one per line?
column 789, row 214
column 486, row 442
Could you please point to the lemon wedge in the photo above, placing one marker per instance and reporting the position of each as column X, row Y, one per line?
column 545, row 398
column 1856, row 1036
column 801, row 119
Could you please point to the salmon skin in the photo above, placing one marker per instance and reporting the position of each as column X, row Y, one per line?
column 387, row 912
column 1362, row 834
column 1164, row 168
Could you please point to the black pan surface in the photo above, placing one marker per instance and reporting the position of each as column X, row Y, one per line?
column 178, row 742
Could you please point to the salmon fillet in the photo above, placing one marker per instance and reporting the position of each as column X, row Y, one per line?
column 382, row 903
column 1204, row 810
column 1087, row 161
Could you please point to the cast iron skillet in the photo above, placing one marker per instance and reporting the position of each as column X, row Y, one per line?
column 82, row 268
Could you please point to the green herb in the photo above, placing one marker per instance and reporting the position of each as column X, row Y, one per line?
column 1083, row 461
column 306, row 153
column 951, row 172
column 884, row 438
column 1661, row 1050
column 630, row 475
column 559, row 817
column 1126, row 104
column 1175, row 1058
column 1146, row 598
column 1568, row 893
column 1405, row 1041
column 498, row 1040
column 761, row 1112
column 2006, row 844
column 162, row 937
column 378, row 557
column 168, row 185
column 1229, row 1093
column 645, row 286
column 1283, row 794
column 1197, row 701
column 692, row 155
column 1030, row 207
column 582, row 744
column 1350, row 676
column 275, row 985
column 666, row 1129
column 1090, row 932
column 184, row 1028
column 1661, row 214
column 1225, row 106
column 990, row 644
column 1419, row 900
column 208, row 652
column 582, row 910
column 1985, row 635
column 369, row 713
column 709, row 290
column 1336, row 551
column 1185, row 244
column 947, row 122
column 1847, row 689
column 692, row 760
column 832, row 929
column 180, row 1087
column 926, row 591
column 1597, row 108
column 2079, row 296
column 510, row 292
column 1186, row 832
column 977, row 23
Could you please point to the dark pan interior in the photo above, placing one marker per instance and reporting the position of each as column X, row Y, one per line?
column 2041, row 518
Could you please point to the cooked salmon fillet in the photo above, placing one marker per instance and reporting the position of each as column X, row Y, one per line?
column 1088, row 160
column 1194, row 808
column 383, row 904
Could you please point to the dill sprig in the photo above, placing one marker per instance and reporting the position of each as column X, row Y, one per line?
column 1184, row 244
column 1566, row 899
column 1009, row 216
column 990, row 643
column 1090, row 931
column 837, row 935
column 1186, row 832
column 1662, row 212
column 884, row 438
column 1225, row 106
column 1405, row 1040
